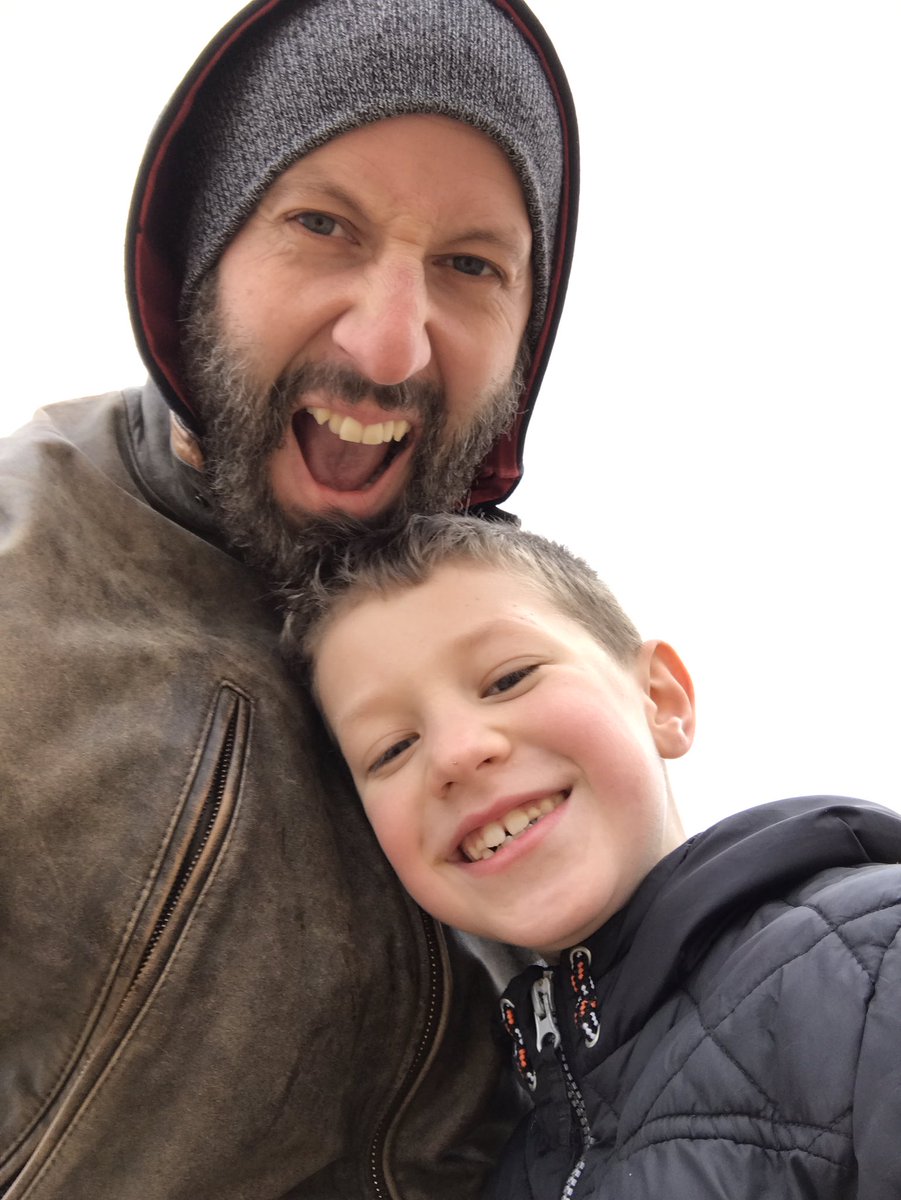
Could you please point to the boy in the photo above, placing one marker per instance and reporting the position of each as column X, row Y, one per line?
column 718, row 1017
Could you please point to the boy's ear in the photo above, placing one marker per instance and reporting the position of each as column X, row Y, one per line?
column 671, row 699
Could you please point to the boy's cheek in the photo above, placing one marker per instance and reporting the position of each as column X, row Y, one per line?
column 385, row 824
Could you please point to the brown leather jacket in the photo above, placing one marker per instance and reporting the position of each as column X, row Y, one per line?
column 211, row 986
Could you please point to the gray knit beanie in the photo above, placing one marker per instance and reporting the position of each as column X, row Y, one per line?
column 318, row 68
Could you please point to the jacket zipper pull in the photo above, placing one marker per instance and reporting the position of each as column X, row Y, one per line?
column 545, row 1014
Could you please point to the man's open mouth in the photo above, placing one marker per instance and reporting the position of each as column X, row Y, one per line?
column 343, row 454
column 496, row 835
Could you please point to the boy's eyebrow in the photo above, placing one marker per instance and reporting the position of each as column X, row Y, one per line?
column 466, row 642
column 492, row 626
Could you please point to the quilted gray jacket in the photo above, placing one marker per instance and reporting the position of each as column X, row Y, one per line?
column 734, row 1033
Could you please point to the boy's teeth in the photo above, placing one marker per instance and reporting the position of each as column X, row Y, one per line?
column 349, row 429
column 493, row 833
column 485, row 842
column 516, row 821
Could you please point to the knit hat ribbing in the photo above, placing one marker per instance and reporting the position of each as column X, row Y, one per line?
column 321, row 68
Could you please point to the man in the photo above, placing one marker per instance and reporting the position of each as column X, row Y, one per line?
column 346, row 258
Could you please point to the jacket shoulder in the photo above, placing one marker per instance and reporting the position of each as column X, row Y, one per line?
column 62, row 442
column 757, row 1059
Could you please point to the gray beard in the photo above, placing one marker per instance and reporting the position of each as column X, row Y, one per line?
column 245, row 422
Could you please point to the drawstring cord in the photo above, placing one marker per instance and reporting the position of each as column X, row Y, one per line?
column 585, row 1015
column 520, row 1054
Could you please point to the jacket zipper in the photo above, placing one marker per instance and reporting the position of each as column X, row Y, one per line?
column 378, row 1170
column 547, row 1030
column 206, row 822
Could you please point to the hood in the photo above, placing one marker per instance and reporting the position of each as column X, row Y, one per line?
column 154, row 266
column 735, row 866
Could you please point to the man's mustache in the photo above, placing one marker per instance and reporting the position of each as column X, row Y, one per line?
column 413, row 395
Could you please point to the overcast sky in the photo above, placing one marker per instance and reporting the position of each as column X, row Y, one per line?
column 718, row 430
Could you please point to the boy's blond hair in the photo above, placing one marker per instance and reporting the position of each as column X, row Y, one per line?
column 381, row 563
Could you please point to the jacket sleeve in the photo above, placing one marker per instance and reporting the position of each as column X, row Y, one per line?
column 877, row 1095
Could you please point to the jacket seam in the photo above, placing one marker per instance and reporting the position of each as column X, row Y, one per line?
column 710, row 1031
column 842, row 1116
column 736, row 1141
column 692, row 1114
column 713, row 1031
column 838, row 929
column 876, row 977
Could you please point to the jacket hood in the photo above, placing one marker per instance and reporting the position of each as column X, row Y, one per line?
column 735, row 866
column 155, row 264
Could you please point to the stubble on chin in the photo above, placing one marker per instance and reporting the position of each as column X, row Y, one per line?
column 245, row 421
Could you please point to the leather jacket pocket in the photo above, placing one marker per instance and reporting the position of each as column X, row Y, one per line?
column 196, row 841
column 189, row 849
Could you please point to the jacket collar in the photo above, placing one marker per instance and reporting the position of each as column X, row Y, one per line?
column 168, row 463
column 644, row 952
column 737, row 865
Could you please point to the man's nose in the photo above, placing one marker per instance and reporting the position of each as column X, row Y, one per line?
column 384, row 328
column 464, row 750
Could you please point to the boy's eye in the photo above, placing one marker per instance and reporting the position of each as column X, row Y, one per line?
column 510, row 680
column 392, row 752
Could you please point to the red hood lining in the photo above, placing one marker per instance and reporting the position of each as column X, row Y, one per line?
column 153, row 276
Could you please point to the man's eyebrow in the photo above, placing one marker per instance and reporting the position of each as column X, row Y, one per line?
column 512, row 245
column 284, row 186
column 509, row 243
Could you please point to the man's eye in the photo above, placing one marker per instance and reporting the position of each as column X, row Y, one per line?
column 317, row 222
column 468, row 264
column 510, row 680
column 392, row 752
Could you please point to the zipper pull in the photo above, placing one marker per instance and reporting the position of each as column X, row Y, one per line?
column 545, row 1014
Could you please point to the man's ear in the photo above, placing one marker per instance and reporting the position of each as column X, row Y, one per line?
column 670, row 699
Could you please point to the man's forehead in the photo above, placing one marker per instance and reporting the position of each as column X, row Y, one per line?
column 368, row 141
column 305, row 73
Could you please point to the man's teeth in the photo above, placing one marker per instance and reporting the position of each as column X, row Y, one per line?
column 348, row 429
column 484, row 842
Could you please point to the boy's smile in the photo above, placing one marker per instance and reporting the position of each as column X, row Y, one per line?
column 510, row 767
column 488, row 840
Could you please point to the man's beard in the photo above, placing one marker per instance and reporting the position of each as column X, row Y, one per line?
column 245, row 422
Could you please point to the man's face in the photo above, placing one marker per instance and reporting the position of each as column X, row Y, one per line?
column 377, row 299
column 510, row 767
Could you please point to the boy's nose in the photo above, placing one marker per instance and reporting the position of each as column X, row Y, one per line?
column 464, row 751
column 384, row 328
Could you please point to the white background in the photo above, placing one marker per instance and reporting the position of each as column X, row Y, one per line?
column 718, row 430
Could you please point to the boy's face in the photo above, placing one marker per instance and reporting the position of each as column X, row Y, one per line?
column 471, row 712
